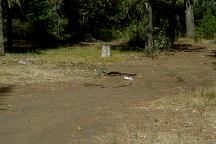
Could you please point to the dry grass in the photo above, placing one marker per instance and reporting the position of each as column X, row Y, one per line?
column 188, row 118
column 155, row 138
column 204, row 99
column 198, row 109
column 185, row 40
column 54, row 65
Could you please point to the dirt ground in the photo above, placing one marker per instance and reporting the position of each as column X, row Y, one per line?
column 111, row 110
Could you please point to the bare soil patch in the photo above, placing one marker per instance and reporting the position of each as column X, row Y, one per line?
column 111, row 110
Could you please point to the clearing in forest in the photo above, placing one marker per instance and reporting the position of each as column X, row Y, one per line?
column 73, row 96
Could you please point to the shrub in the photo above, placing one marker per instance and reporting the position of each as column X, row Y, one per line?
column 208, row 25
column 199, row 35
column 161, row 40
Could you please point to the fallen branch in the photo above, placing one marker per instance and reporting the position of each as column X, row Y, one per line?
column 115, row 73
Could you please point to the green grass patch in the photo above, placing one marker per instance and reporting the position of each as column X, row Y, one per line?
column 59, row 64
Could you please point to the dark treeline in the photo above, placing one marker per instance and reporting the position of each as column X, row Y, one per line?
column 146, row 23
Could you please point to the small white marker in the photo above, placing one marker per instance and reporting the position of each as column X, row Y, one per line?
column 127, row 78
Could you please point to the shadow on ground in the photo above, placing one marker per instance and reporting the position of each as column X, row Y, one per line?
column 213, row 54
column 214, row 63
column 187, row 48
column 24, row 46
column 127, row 46
column 176, row 48
column 3, row 94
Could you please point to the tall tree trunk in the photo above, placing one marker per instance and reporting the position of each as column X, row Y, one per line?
column 172, row 22
column 189, row 15
column 1, row 31
column 9, row 30
column 149, row 28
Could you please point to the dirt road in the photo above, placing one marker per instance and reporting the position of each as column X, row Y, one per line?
column 103, row 110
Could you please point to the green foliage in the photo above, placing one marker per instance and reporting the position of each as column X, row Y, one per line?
column 205, row 19
column 199, row 35
column 200, row 7
column 207, row 27
column 109, row 34
column 137, row 34
column 161, row 40
column 44, row 19
column 11, row 3
column 78, row 20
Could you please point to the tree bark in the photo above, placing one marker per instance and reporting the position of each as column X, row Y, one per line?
column 9, row 30
column 172, row 22
column 149, row 27
column 1, row 31
column 189, row 15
